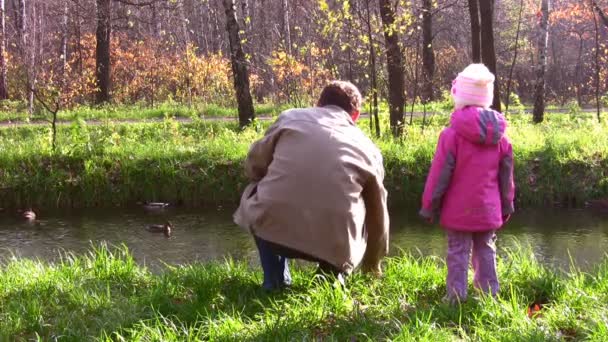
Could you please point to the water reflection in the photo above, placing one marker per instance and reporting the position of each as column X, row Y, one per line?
column 555, row 236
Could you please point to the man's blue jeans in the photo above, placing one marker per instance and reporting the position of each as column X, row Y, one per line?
column 275, row 263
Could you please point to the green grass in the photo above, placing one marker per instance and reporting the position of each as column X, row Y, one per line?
column 200, row 163
column 17, row 112
column 105, row 295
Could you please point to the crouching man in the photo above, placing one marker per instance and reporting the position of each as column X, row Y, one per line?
column 316, row 191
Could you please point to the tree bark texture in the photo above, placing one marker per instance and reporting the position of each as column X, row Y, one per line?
column 488, row 54
column 3, row 90
column 428, row 54
column 475, row 31
column 286, row 29
column 539, row 91
column 102, row 51
column 394, row 66
column 239, row 66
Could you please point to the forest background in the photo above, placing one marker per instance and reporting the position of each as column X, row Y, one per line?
column 64, row 54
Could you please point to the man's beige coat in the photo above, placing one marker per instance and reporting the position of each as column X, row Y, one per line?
column 317, row 188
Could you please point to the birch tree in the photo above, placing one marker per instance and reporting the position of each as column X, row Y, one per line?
column 539, row 92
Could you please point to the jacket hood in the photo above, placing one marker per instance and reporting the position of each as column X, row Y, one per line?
column 479, row 125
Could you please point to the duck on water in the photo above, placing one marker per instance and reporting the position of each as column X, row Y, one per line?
column 161, row 228
column 28, row 215
column 153, row 206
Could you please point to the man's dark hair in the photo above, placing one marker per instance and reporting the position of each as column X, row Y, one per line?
column 342, row 94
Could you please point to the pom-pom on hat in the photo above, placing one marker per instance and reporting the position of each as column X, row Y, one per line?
column 474, row 86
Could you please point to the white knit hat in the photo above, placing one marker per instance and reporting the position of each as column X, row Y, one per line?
column 474, row 86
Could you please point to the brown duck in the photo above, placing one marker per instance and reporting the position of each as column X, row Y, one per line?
column 29, row 215
column 160, row 228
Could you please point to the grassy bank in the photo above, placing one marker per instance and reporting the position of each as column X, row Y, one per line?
column 562, row 160
column 107, row 296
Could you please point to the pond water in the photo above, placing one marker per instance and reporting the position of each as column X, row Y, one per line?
column 556, row 236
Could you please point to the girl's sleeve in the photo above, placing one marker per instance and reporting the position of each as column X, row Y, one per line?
column 505, row 179
column 439, row 176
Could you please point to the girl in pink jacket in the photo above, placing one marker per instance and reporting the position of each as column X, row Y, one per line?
column 470, row 184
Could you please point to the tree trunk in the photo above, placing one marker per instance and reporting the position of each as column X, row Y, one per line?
column 577, row 72
column 239, row 66
column 203, row 19
column 212, row 29
column 79, row 42
column 539, row 93
column 372, row 57
column 64, row 38
column 246, row 27
column 415, row 95
column 601, row 13
column 184, row 23
column 349, row 49
column 155, row 21
column 246, row 17
column 26, row 52
column 597, row 67
column 428, row 55
column 186, row 34
column 286, row 30
column 40, row 35
column 475, row 31
column 217, row 32
column 3, row 90
column 521, row 8
column 488, row 55
column 102, row 51
column 21, row 25
column 30, row 47
column 394, row 66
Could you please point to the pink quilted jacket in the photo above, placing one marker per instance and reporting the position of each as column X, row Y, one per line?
column 470, row 185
